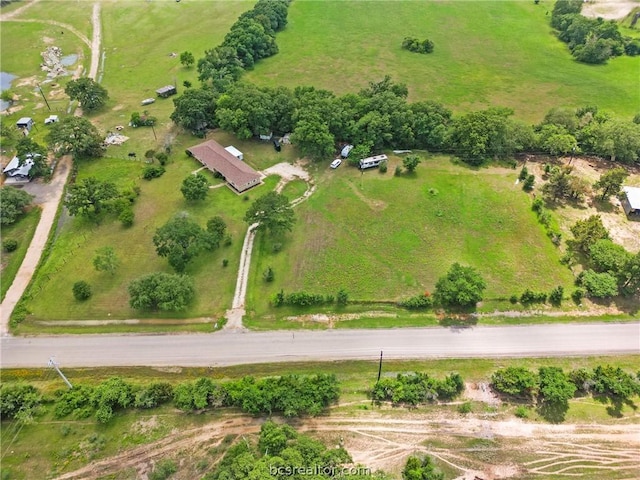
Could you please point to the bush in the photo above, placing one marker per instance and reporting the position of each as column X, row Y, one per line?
column 466, row 407
column 599, row 285
column 522, row 412
column 524, row 173
column 513, row 299
column 152, row 171
column 126, row 217
column 10, row 245
column 268, row 275
column 417, row 302
column 398, row 171
column 163, row 470
column 528, row 183
column 417, row 46
column 529, row 296
column 577, row 295
column 382, row 168
column 515, row 381
column 18, row 400
column 555, row 296
column 153, row 395
column 81, row 290
column 225, row 262
column 162, row 157
column 342, row 298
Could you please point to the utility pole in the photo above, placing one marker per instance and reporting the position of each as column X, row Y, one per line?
column 379, row 367
column 52, row 363
column 45, row 98
column 154, row 132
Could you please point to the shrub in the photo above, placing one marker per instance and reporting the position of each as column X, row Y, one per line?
column 417, row 46
column 225, row 262
column 268, row 275
column 555, row 296
column 522, row 412
column 153, row 395
column 537, row 205
column 515, row 381
column 524, row 173
column 163, row 470
column 126, row 217
column 528, row 183
column 227, row 240
column 152, row 171
column 342, row 298
column 382, row 168
column 599, row 285
column 513, row 298
column 18, row 400
column 577, row 295
column 417, row 302
column 398, row 171
column 465, row 408
column 276, row 247
column 162, row 157
column 10, row 245
column 81, row 290
column 529, row 296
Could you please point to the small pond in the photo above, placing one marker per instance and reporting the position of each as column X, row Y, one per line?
column 5, row 84
column 69, row 60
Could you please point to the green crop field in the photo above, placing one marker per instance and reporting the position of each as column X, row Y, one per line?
column 486, row 53
column 383, row 237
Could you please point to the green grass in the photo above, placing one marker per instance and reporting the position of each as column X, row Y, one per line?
column 385, row 238
column 487, row 53
column 22, row 231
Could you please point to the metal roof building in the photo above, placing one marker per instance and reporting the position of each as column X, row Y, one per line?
column 631, row 200
column 216, row 158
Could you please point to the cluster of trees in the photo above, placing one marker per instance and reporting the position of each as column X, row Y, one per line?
column 545, row 219
column 553, row 388
column 416, row 388
column 417, row 302
column 591, row 40
column 610, row 268
column 251, row 38
column 13, row 204
column 529, row 296
column 421, row 469
column 273, row 213
column 281, row 452
column 304, row 299
column 144, row 120
column 462, row 286
column 161, row 291
column 417, row 46
column 181, row 239
column 290, row 395
column 76, row 136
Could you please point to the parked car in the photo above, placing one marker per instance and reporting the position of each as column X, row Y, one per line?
column 346, row 150
column 148, row 101
column 336, row 163
column 276, row 145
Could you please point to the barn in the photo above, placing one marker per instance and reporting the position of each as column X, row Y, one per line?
column 166, row 91
column 216, row 158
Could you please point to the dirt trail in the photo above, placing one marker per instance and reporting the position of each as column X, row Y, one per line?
column 608, row 9
column 510, row 448
column 287, row 173
column 17, row 11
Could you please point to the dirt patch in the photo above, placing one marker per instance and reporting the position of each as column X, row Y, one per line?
column 117, row 108
column 481, row 392
column 376, row 205
column 608, row 9
column 27, row 82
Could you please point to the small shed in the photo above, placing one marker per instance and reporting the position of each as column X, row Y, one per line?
column 235, row 152
column 166, row 91
column 51, row 119
column 346, row 151
column 631, row 200
column 266, row 137
column 25, row 123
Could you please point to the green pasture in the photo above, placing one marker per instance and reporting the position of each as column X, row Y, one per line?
column 383, row 237
column 487, row 53
column 22, row 231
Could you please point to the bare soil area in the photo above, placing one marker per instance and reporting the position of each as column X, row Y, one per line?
column 474, row 446
column 608, row 9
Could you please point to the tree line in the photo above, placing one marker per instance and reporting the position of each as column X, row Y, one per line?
column 289, row 395
column 591, row 40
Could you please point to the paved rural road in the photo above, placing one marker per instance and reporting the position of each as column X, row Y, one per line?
column 229, row 348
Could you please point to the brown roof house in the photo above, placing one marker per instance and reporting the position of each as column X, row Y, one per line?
column 216, row 158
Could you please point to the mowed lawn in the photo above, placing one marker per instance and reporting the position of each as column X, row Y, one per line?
column 383, row 237
column 487, row 53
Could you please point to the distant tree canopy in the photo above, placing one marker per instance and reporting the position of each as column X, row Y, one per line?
column 88, row 92
column 591, row 40
column 90, row 196
column 460, row 287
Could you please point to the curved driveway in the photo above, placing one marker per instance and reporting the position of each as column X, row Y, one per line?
column 229, row 348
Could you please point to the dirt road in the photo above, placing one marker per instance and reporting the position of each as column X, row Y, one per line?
column 49, row 196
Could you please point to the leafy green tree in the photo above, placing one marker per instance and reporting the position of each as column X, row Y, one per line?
column 430, row 120
column 599, row 285
column 246, row 110
column 610, row 182
column 18, row 401
column 555, row 385
column 614, row 382
column 81, row 290
column 161, row 291
column 562, row 117
column 195, row 109
column 559, row 183
column 89, row 196
column 411, row 162
column 421, row 469
column 216, row 229
column 153, row 395
column 106, row 260
column 313, row 138
column 515, row 381
column 272, row 212
column 221, row 66
column 13, row 203
column 187, row 59
column 587, row 232
column 27, row 147
column 179, row 240
column 76, row 136
column 556, row 295
column 629, row 276
column 358, row 152
column 88, row 92
column 460, row 287
column 342, row 298
column 606, row 256
column 195, row 187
